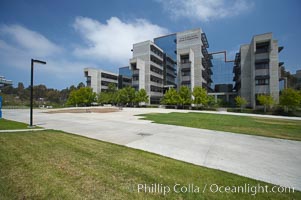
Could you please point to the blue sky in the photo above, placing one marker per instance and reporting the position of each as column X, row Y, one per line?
column 73, row 34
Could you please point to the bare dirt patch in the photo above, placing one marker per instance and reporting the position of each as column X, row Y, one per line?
column 84, row 110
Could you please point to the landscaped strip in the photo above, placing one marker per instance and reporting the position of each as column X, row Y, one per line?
column 55, row 165
column 11, row 125
column 276, row 128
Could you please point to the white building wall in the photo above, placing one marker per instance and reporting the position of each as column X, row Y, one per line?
column 249, row 89
column 96, row 78
column 189, row 42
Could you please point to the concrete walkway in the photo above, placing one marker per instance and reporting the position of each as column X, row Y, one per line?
column 272, row 160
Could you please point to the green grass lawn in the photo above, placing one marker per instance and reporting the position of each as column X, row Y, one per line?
column 10, row 125
column 56, row 165
column 277, row 128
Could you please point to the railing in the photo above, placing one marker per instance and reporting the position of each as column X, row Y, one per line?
column 186, row 78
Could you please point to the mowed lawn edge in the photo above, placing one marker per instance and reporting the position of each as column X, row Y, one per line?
column 259, row 126
column 56, row 165
column 6, row 124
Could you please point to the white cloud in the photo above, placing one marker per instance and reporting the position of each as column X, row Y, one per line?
column 205, row 10
column 113, row 40
column 29, row 40
column 107, row 46
column 19, row 44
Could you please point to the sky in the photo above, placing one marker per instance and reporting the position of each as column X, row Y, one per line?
column 73, row 34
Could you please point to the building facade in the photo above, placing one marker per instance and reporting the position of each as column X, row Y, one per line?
column 147, row 65
column 222, row 79
column 175, row 60
column 182, row 59
column 256, row 69
column 193, row 63
column 4, row 82
column 99, row 80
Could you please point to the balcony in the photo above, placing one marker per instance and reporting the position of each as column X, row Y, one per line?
column 171, row 72
column 262, row 47
column 170, row 67
column 158, row 76
column 186, row 78
column 156, row 94
column 135, row 82
column 156, row 65
column 205, row 53
column 156, row 51
column 109, row 80
column 204, row 40
column 156, row 84
column 262, row 72
column 156, row 70
column 155, row 55
column 185, row 65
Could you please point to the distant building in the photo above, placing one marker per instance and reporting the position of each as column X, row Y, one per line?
column 4, row 82
column 99, row 80
column 257, row 69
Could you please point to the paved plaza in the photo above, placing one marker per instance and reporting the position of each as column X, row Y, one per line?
column 275, row 161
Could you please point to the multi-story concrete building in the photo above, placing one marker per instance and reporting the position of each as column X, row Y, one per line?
column 189, row 48
column 257, row 69
column 99, row 80
column 124, row 81
column 171, row 61
column 124, row 77
column 193, row 60
column 182, row 59
column 147, row 69
column 4, row 82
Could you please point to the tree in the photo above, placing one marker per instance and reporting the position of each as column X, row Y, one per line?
column 53, row 95
column 39, row 91
column 80, row 85
column 20, row 90
column 240, row 102
column 200, row 96
column 82, row 96
column 112, row 93
column 212, row 102
column 266, row 101
column 103, row 98
column 184, row 96
column 141, row 96
column 170, row 97
column 290, row 99
column 122, row 97
column 8, row 89
column 126, row 96
column 130, row 91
